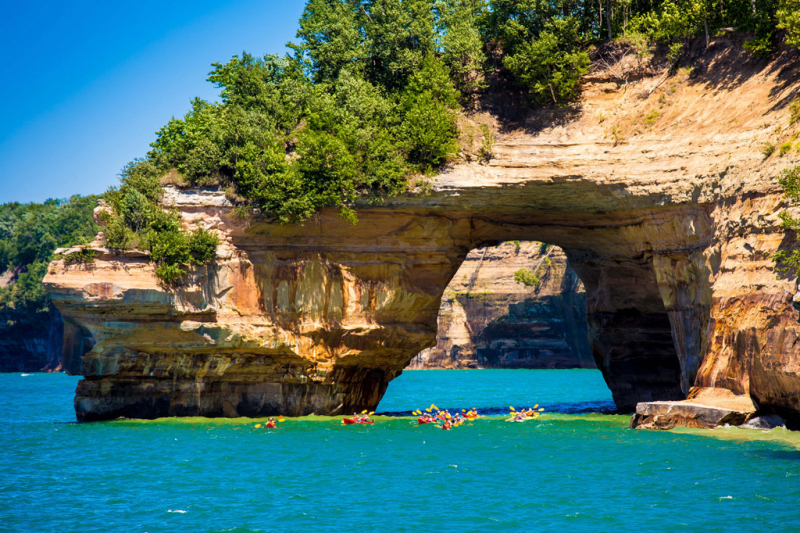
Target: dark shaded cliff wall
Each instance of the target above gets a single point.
(487, 320)
(30, 342)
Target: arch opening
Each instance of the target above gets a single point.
(585, 311)
(514, 305)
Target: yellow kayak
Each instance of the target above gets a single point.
(524, 419)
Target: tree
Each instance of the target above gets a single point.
(428, 124)
(28, 293)
(551, 65)
(788, 15)
(32, 241)
(331, 37)
(512, 23)
(429, 131)
(460, 41)
(400, 34)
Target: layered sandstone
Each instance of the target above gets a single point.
(668, 219)
(707, 409)
(488, 320)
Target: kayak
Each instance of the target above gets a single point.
(526, 419)
(348, 421)
(423, 421)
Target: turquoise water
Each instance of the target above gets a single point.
(562, 472)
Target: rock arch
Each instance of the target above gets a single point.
(319, 318)
(669, 230)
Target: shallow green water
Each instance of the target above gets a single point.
(563, 472)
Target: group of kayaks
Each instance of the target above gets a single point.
(443, 418)
(440, 418)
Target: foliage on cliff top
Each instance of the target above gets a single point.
(29, 233)
(138, 221)
(370, 94)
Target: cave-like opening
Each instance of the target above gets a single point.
(533, 305)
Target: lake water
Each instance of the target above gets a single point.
(571, 470)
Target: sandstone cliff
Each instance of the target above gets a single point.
(487, 320)
(659, 196)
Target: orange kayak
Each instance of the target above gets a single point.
(349, 421)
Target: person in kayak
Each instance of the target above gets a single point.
(271, 423)
(447, 425)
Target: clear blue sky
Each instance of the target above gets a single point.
(87, 84)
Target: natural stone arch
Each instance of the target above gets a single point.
(670, 230)
(319, 318)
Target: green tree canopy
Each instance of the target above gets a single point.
(370, 95)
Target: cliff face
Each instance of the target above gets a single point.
(668, 219)
(487, 320)
(30, 342)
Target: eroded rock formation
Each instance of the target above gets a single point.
(488, 320)
(668, 221)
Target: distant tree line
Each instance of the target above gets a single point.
(29, 233)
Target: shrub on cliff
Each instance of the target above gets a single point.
(138, 220)
(787, 261)
(527, 277)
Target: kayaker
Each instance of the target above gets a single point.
(447, 425)
(271, 424)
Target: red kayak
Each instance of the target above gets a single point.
(348, 421)
(423, 421)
